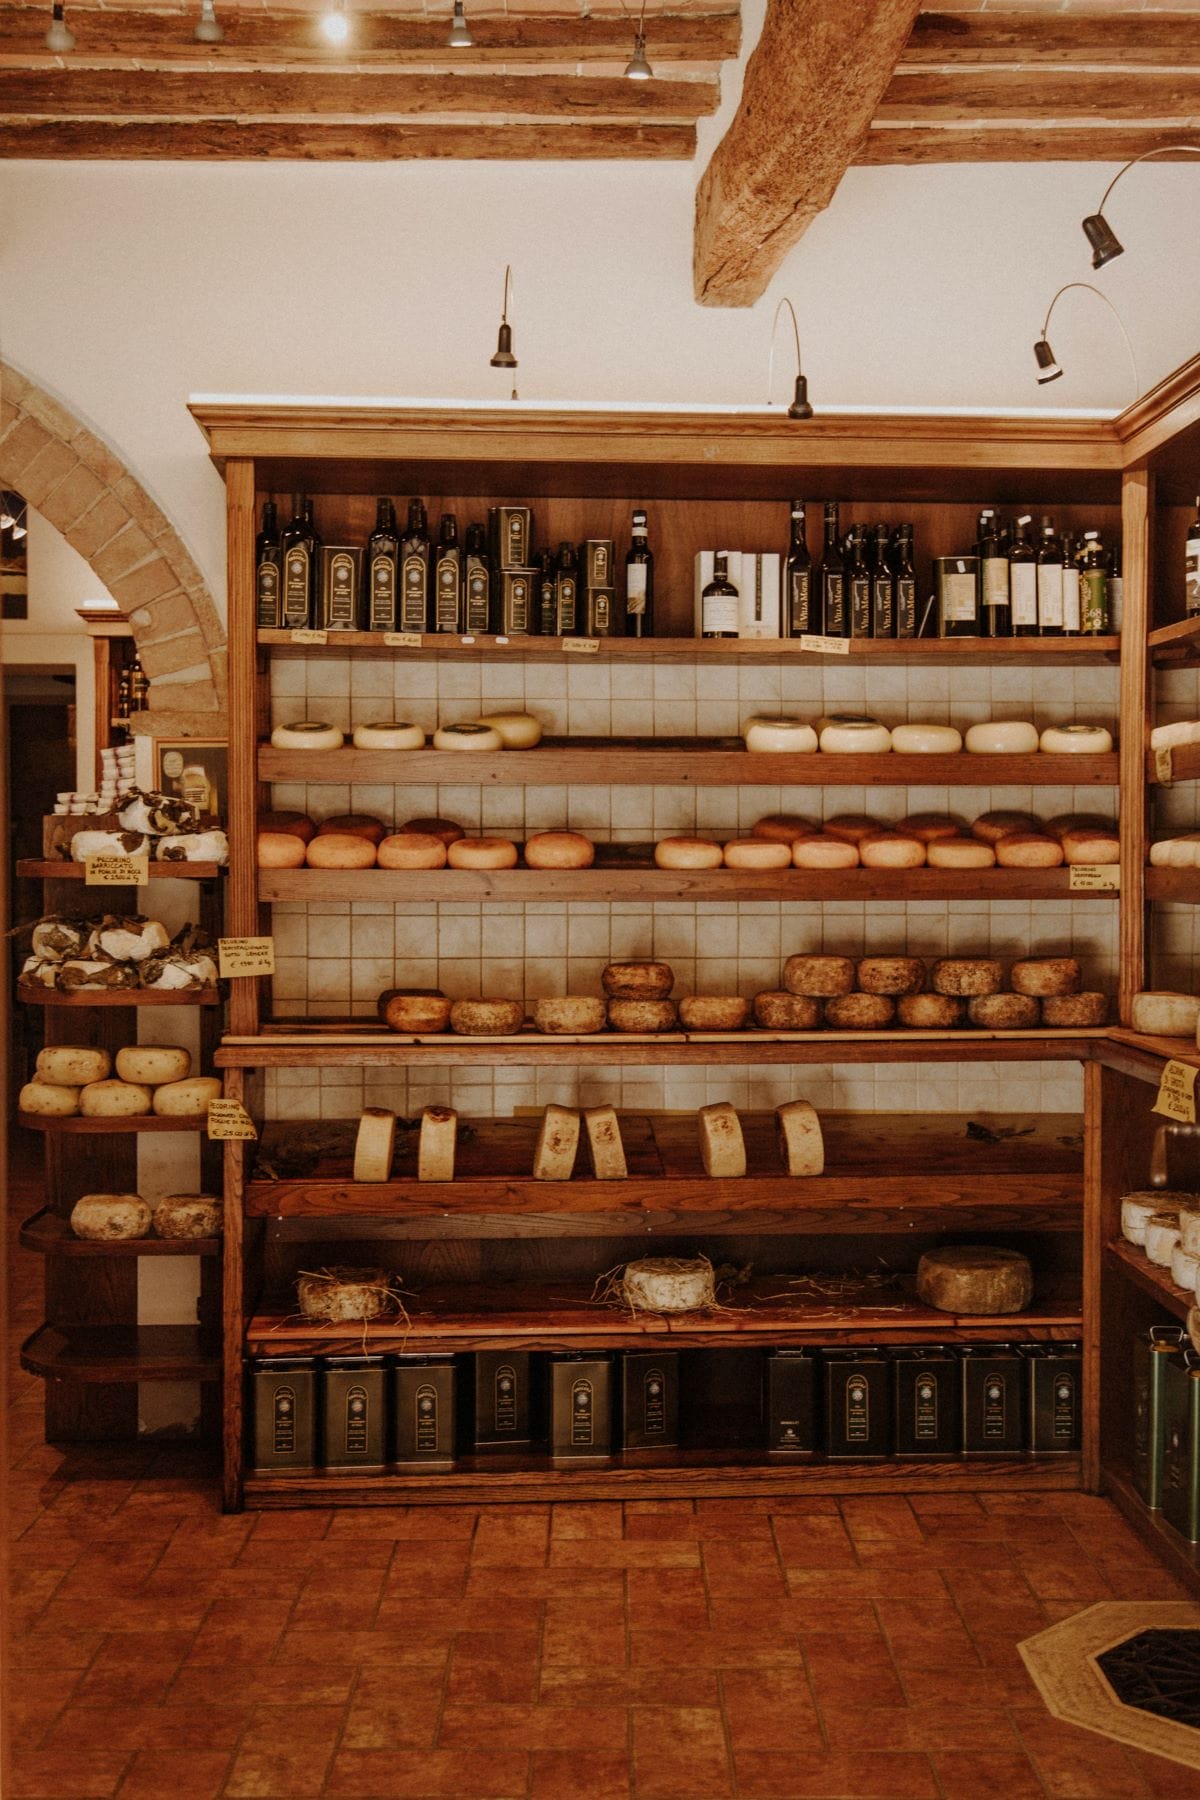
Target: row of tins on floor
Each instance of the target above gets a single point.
(1166, 1434)
(375, 1412)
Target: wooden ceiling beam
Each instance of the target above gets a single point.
(811, 89)
(215, 141)
(1041, 95)
(1031, 143)
(1171, 40)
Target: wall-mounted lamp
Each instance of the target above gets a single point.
(335, 24)
(504, 358)
(1099, 233)
(460, 36)
(800, 408)
(1049, 368)
(59, 37)
(209, 29)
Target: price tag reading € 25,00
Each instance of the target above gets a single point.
(109, 870)
(1177, 1093)
(246, 956)
(228, 1119)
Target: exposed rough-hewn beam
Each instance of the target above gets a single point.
(1170, 40)
(1041, 94)
(1038, 142)
(810, 92)
(220, 141)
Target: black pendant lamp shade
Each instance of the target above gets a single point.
(1048, 369)
(1104, 241)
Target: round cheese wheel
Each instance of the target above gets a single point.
(114, 1100)
(557, 1144)
(280, 850)
(71, 1065)
(411, 850)
(487, 1018)
(931, 828)
(860, 1012)
(48, 1100)
(975, 1279)
(1160, 1014)
(1088, 846)
(757, 853)
(669, 1284)
(1137, 1210)
(419, 1012)
(722, 1146)
(1066, 1011)
(1076, 740)
(559, 850)
(783, 828)
(1041, 975)
(891, 975)
(389, 734)
(152, 1064)
(930, 1012)
(967, 976)
(926, 740)
(437, 1142)
(103, 1218)
(1191, 1324)
(186, 1099)
(992, 826)
(570, 1015)
(851, 828)
(1004, 1012)
(714, 1012)
(362, 825)
(374, 1144)
(780, 1011)
(340, 850)
(343, 1296)
(468, 736)
(1028, 850)
(1002, 737)
(482, 853)
(1162, 1235)
(637, 980)
(1184, 1269)
(687, 853)
(824, 852)
(445, 829)
(1189, 1217)
(798, 1138)
(891, 850)
(188, 1216)
(960, 853)
(846, 736)
(641, 1015)
(517, 730)
(779, 734)
(819, 976)
(1060, 826)
(295, 824)
(606, 1152)
(307, 734)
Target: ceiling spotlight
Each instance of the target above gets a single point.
(800, 407)
(19, 529)
(460, 36)
(209, 29)
(638, 68)
(335, 24)
(1047, 362)
(59, 37)
(1049, 367)
(1099, 233)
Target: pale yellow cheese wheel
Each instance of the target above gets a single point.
(824, 852)
(104, 1218)
(374, 1144)
(1159, 1013)
(637, 980)
(557, 1144)
(48, 1100)
(280, 850)
(783, 828)
(891, 975)
(992, 826)
(72, 1065)
(1002, 737)
(606, 1152)
(757, 853)
(1040, 975)
(189, 1216)
(114, 1100)
(722, 1146)
(687, 853)
(487, 1018)
(482, 853)
(467, 736)
(859, 1012)
(186, 1099)
(307, 734)
(412, 850)
(1069, 1011)
(1028, 850)
(777, 1010)
(798, 1136)
(714, 1012)
(417, 1011)
(891, 850)
(152, 1064)
(559, 850)
(570, 1014)
(967, 976)
(821, 977)
(926, 740)
(340, 850)
(1087, 846)
(1004, 1012)
(779, 734)
(641, 1015)
(1076, 740)
(518, 730)
(960, 853)
(930, 1012)
(388, 734)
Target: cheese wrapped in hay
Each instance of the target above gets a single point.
(669, 1284)
(343, 1294)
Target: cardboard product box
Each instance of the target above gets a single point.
(791, 1403)
(759, 614)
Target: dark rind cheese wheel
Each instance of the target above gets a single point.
(968, 975)
(820, 976)
(637, 980)
(975, 1279)
(1069, 1010)
(416, 1010)
(860, 1012)
(1004, 1012)
(930, 1012)
(779, 1011)
(891, 975)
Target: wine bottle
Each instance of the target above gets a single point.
(447, 577)
(905, 574)
(1072, 620)
(957, 582)
(1191, 588)
(1116, 589)
(639, 581)
(383, 569)
(1022, 581)
(798, 619)
(414, 572)
(858, 585)
(1049, 583)
(300, 547)
(883, 588)
(834, 622)
(566, 591)
(1093, 585)
(719, 602)
(477, 582)
(995, 611)
(546, 595)
(268, 568)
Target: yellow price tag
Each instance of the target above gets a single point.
(582, 646)
(108, 870)
(402, 640)
(1164, 767)
(229, 1119)
(1094, 878)
(825, 646)
(1177, 1093)
(246, 956)
(303, 636)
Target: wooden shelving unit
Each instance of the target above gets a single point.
(1137, 1267)
(45, 869)
(47, 1234)
(31, 994)
(119, 1356)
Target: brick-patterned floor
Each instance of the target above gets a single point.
(782, 1650)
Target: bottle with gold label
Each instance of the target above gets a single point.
(300, 547)
(477, 582)
(547, 595)
(414, 572)
(447, 577)
(566, 591)
(268, 562)
(383, 569)
(1093, 586)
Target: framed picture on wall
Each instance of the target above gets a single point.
(195, 769)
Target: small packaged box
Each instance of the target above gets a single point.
(758, 611)
(791, 1403)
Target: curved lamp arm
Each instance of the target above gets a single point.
(1045, 356)
(800, 408)
(1160, 150)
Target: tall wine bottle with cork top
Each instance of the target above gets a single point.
(268, 570)
(639, 581)
(1049, 582)
(719, 602)
(301, 550)
(798, 611)
(477, 582)
(1022, 580)
(383, 569)
(447, 577)
(414, 572)
(995, 604)
(834, 619)
(1093, 586)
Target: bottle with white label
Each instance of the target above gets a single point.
(639, 581)
(1072, 620)
(995, 611)
(1049, 583)
(1116, 590)
(1191, 591)
(1022, 581)
(719, 602)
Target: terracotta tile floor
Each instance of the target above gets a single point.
(782, 1650)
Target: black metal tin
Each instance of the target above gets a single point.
(858, 1402)
(518, 588)
(721, 1399)
(511, 529)
(283, 1413)
(993, 1400)
(1151, 1352)
(503, 1399)
(354, 1412)
(791, 1403)
(1054, 1382)
(649, 1399)
(600, 617)
(1181, 1444)
(927, 1397)
(422, 1410)
(341, 587)
(580, 1408)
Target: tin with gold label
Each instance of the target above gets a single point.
(422, 1412)
(649, 1399)
(354, 1412)
(511, 532)
(1054, 1379)
(580, 1408)
(926, 1389)
(1181, 1444)
(341, 587)
(503, 1401)
(858, 1402)
(516, 611)
(994, 1400)
(1151, 1352)
(284, 1414)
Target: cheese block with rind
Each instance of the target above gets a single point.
(975, 1279)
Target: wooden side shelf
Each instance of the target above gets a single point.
(1182, 1558)
(1152, 1280)
(49, 1235)
(158, 871)
(117, 1354)
(1137, 1054)
(30, 994)
(678, 762)
(1185, 765)
(1177, 643)
(78, 1126)
(1179, 885)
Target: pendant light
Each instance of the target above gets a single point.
(800, 408)
(1106, 245)
(638, 67)
(59, 37)
(209, 29)
(335, 24)
(504, 357)
(460, 34)
(1049, 367)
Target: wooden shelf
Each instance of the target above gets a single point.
(628, 872)
(687, 1474)
(1185, 765)
(677, 762)
(1175, 644)
(76, 1126)
(1136, 1265)
(1181, 886)
(109, 1354)
(36, 870)
(1180, 1557)
(30, 994)
(958, 652)
(49, 1235)
(333, 1043)
(1030, 1179)
(1137, 1054)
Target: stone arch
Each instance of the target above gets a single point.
(83, 488)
